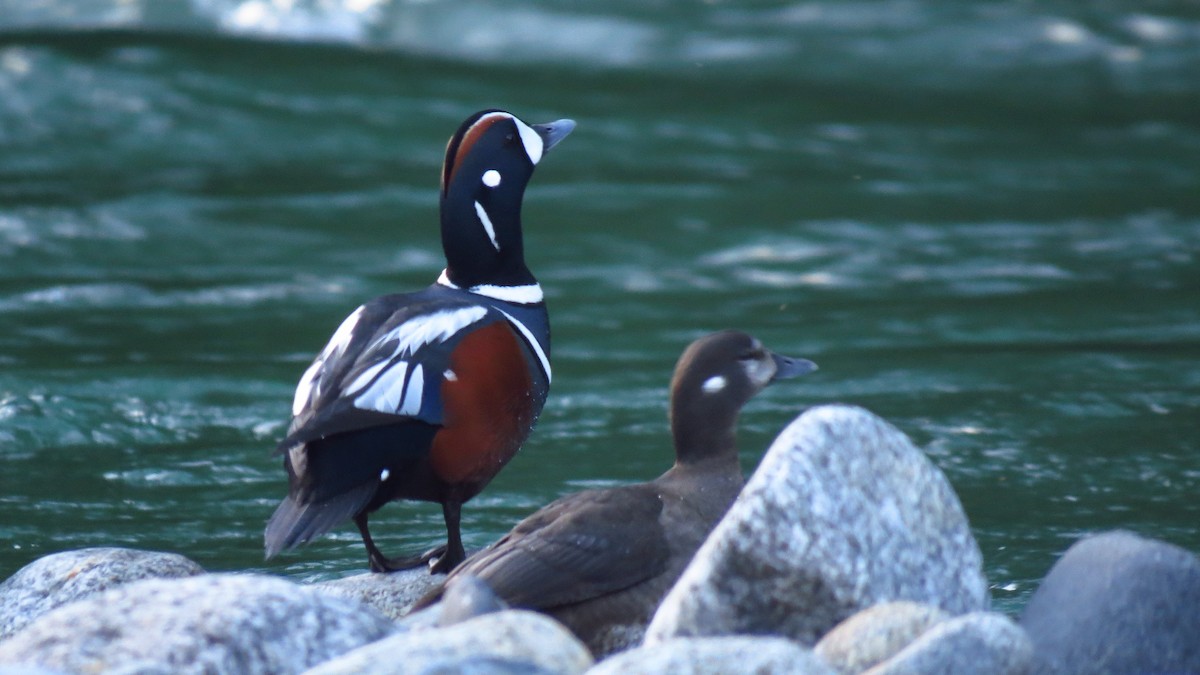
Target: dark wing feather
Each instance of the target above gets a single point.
(583, 546)
(384, 365)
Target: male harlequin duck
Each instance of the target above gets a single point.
(600, 561)
(427, 395)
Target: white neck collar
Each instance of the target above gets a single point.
(529, 294)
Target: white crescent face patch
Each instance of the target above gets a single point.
(534, 146)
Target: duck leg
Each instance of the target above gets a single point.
(453, 550)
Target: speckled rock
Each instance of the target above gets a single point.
(466, 598)
(1118, 603)
(843, 513)
(204, 624)
(876, 634)
(61, 578)
(716, 656)
(511, 639)
(392, 593)
(979, 642)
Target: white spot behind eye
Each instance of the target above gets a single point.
(491, 178)
(714, 384)
(383, 475)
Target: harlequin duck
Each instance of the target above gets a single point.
(427, 395)
(600, 561)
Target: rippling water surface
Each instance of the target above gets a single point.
(982, 219)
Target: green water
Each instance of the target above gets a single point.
(981, 219)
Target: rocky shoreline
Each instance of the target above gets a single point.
(847, 552)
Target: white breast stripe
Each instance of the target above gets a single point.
(529, 294)
(444, 280)
(412, 396)
(531, 140)
(487, 224)
(533, 343)
(387, 392)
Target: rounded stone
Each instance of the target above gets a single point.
(61, 578)
(979, 642)
(509, 639)
(716, 656)
(1118, 603)
(876, 634)
(843, 513)
(203, 624)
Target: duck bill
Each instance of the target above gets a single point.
(787, 367)
(553, 132)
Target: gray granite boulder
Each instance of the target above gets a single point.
(61, 578)
(716, 656)
(843, 513)
(509, 641)
(876, 634)
(979, 642)
(468, 597)
(204, 624)
(392, 593)
(1118, 603)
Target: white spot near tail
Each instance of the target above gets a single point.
(491, 178)
(714, 384)
(487, 224)
(450, 375)
(384, 475)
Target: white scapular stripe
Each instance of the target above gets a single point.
(531, 140)
(309, 386)
(412, 397)
(389, 386)
(429, 328)
(304, 389)
(533, 344)
(387, 392)
(487, 224)
(364, 378)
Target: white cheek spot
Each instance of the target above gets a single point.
(714, 384)
(450, 375)
(384, 475)
(491, 178)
